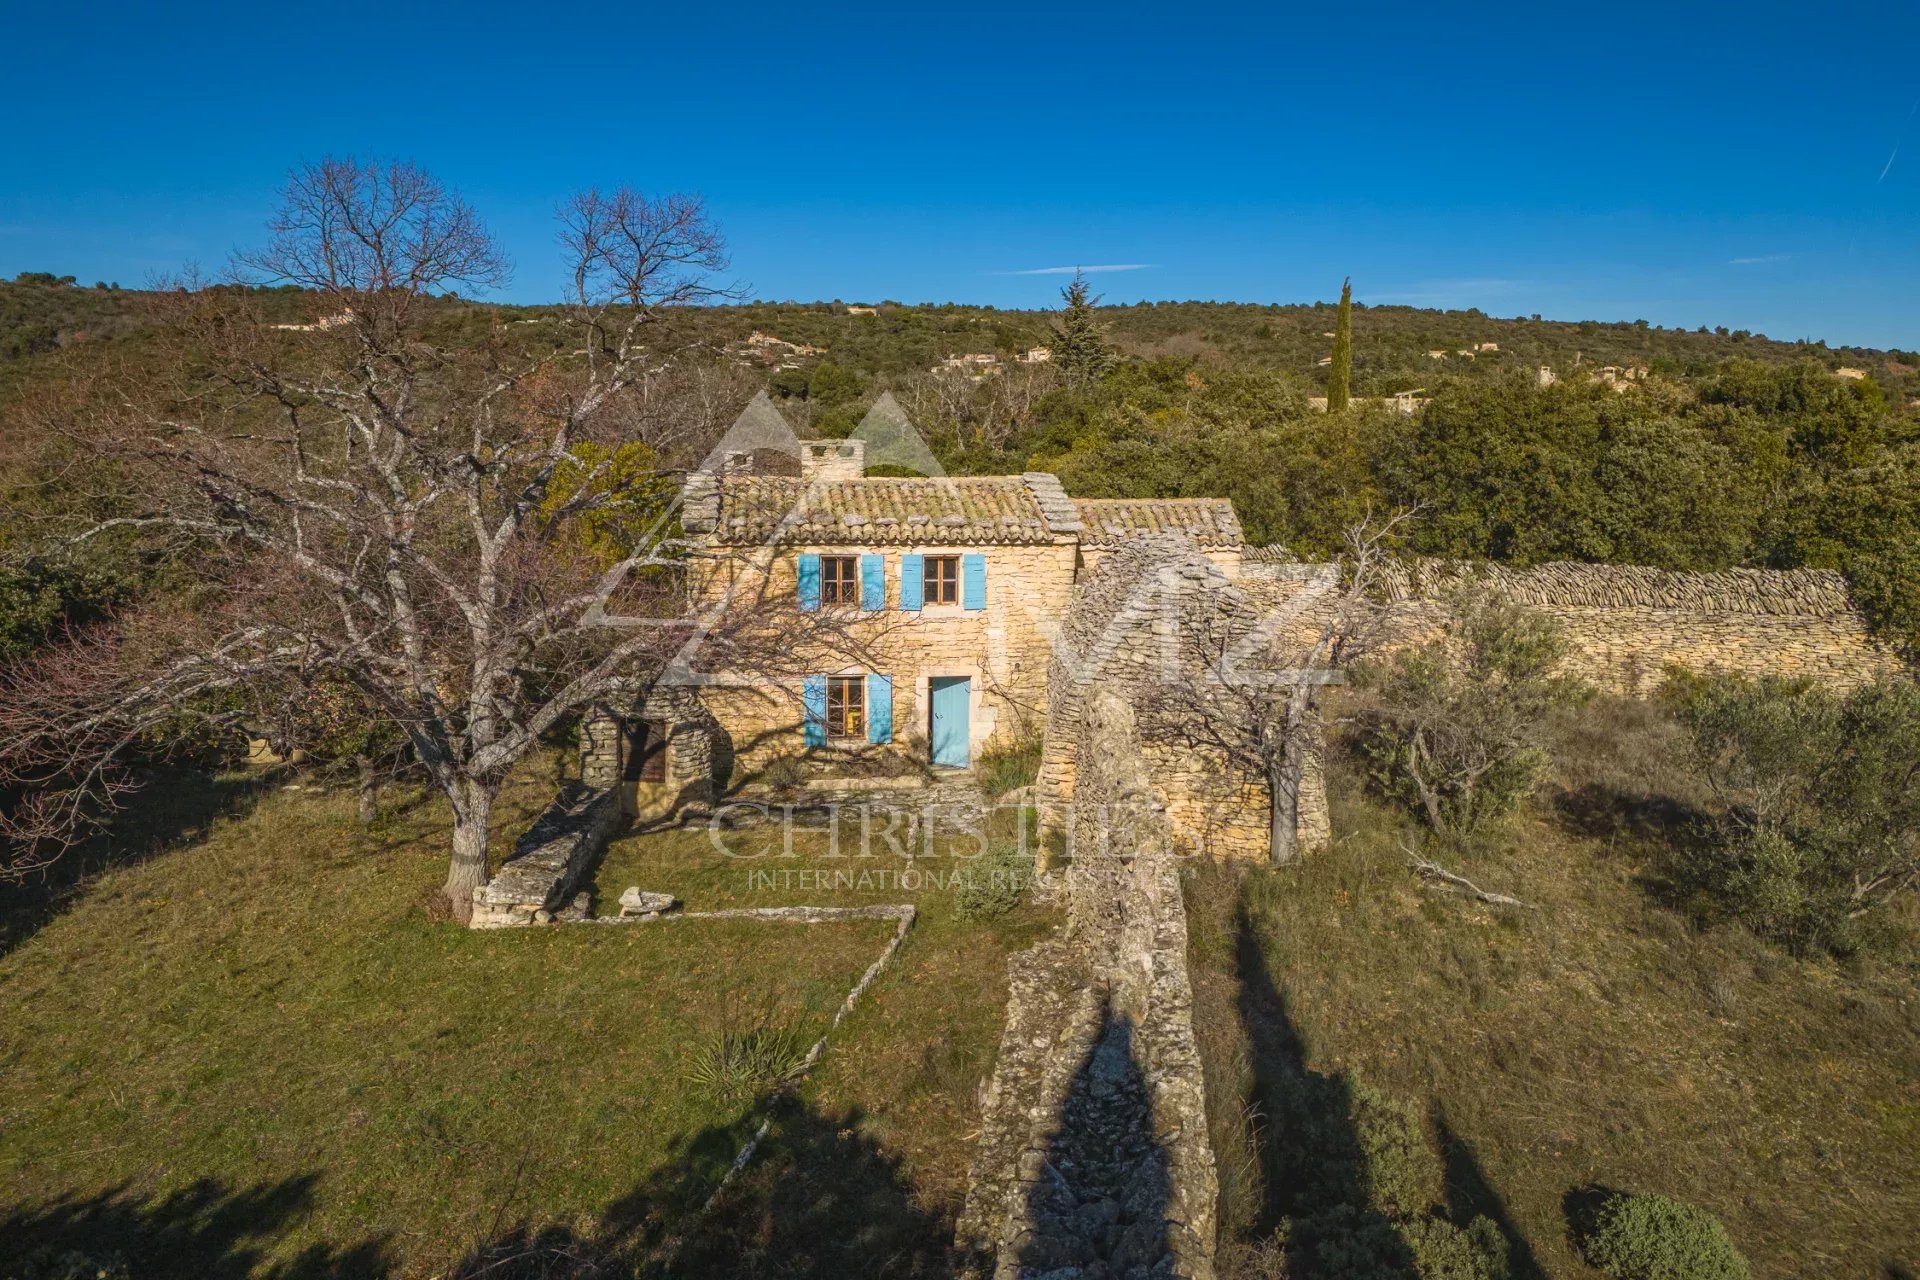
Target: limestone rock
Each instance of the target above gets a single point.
(639, 904)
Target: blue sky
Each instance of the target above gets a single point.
(1682, 163)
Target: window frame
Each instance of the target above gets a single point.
(839, 581)
(939, 580)
(847, 706)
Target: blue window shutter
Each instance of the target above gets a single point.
(973, 581)
(810, 582)
(873, 582)
(879, 708)
(913, 582)
(813, 694)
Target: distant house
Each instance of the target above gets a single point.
(863, 311)
(1036, 355)
(1436, 355)
(1544, 376)
(1486, 346)
(977, 364)
(1848, 374)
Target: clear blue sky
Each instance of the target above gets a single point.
(1681, 163)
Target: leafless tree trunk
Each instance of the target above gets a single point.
(368, 777)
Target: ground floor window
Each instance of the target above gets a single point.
(846, 706)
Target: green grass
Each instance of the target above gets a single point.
(256, 1049)
(1594, 1041)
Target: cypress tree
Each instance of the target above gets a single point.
(1340, 375)
(1079, 347)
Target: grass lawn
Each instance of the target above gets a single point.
(1596, 1041)
(255, 1053)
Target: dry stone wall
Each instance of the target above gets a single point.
(539, 882)
(1624, 625)
(1094, 1153)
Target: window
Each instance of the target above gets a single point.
(846, 706)
(840, 579)
(646, 752)
(941, 576)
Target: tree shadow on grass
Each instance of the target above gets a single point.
(176, 804)
(1319, 1165)
(206, 1231)
(820, 1200)
(1469, 1192)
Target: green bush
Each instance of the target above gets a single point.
(993, 884)
(1456, 727)
(1443, 1251)
(1821, 828)
(49, 1264)
(1652, 1237)
(738, 1067)
(1007, 768)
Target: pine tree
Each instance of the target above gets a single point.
(1079, 344)
(1340, 376)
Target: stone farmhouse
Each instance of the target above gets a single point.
(955, 594)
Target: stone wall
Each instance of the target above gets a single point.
(1624, 625)
(690, 765)
(1094, 1151)
(538, 883)
(1131, 627)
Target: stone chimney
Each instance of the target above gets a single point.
(833, 459)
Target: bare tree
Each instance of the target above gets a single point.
(1249, 691)
(421, 517)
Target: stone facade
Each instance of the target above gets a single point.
(1002, 649)
(608, 738)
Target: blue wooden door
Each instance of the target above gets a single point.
(948, 732)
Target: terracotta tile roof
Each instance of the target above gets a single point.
(877, 510)
(1210, 522)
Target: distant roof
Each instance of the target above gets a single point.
(1210, 522)
(879, 510)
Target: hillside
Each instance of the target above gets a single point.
(1391, 343)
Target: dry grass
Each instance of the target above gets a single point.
(256, 1051)
(1595, 1040)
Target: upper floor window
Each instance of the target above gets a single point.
(840, 579)
(846, 706)
(941, 578)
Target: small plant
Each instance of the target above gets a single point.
(1653, 1237)
(1010, 766)
(47, 1264)
(741, 1066)
(993, 884)
(785, 773)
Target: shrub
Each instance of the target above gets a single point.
(1821, 828)
(741, 1066)
(993, 884)
(1443, 1251)
(1456, 726)
(1652, 1237)
(1009, 767)
(785, 773)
